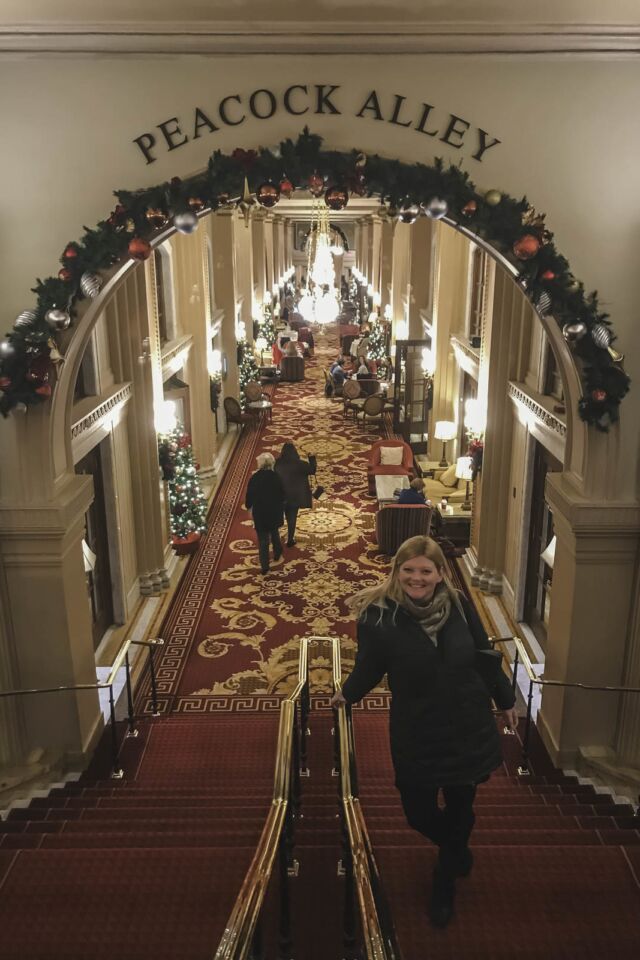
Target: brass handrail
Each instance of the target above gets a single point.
(122, 658)
(522, 657)
(98, 684)
(379, 944)
(239, 930)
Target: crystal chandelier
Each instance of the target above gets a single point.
(320, 302)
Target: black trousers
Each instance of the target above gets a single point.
(291, 514)
(450, 826)
(263, 546)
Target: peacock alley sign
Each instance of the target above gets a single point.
(305, 100)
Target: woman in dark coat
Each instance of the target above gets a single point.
(265, 499)
(294, 473)
(424, 635)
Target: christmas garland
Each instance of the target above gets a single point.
(29, 352)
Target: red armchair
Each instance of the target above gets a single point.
(375, 468)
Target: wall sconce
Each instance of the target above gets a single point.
(428, 366)
(402, 330)
(377, 299)
(548, 555)
(445, 430)
(241, 330)
(261, 345)
(166, 417)
(475, 416)
(387, 314)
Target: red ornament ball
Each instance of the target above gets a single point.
(268, 194)
(195, 203)
(70, 252)
(5, 383)
(139, 249)
(44, 390)
(336, 198)
(316, 184)
(469, 208)
(65, 275)
(526, 247)
(156, 217)
(599, 395)
(548, 275)
(286, 188)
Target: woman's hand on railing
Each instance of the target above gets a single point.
(337, 699)
(511, 718)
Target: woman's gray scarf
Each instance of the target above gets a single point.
(431, 616)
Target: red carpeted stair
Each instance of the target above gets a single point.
(146, 867)
(556, 864)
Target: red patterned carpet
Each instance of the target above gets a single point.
(230, 630)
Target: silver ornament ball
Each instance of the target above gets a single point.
(435, 209)
(185, 222)
(20, 407)
(601, 335)
(57, 319)
(493, 197)
(572, 332)
(90, 285)
(7, 350)
(408, 212)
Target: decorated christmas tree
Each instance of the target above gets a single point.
(354, 298)
(266, 328)
(247, 366)
(377, 350)
(187, 503)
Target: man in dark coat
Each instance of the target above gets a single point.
(265, 499)
(294, 473)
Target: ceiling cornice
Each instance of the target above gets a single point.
(208, 37)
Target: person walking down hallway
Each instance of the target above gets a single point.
(294, 473)
(416, 628)
(265, 499)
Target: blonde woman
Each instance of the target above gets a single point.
(419, 631)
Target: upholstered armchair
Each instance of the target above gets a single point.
(396, 522)
(233, 413)
(376, 467)
(292, 368)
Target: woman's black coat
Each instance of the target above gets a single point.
(441, 727)
(295, 474)
(265, 499)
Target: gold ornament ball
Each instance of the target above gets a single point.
(492, 197)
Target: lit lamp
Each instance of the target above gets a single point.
(464, 471)
(445, 430)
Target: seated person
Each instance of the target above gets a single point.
(291, 349)
(338, 373)
(415, 492)
(363, 344)
(339, 361)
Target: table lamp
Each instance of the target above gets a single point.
(445, 430)
(464, 471)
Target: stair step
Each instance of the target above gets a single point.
(143, 902)
(497, 837)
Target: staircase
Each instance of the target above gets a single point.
(557, 865)
(148, 866)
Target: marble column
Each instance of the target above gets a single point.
(420, 274)
(224, 226)
(259, 257)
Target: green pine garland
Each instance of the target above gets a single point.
(500, 220)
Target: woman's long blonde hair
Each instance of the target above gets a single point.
(390, 589)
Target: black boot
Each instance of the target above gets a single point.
(443, 895)
(465, 863)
